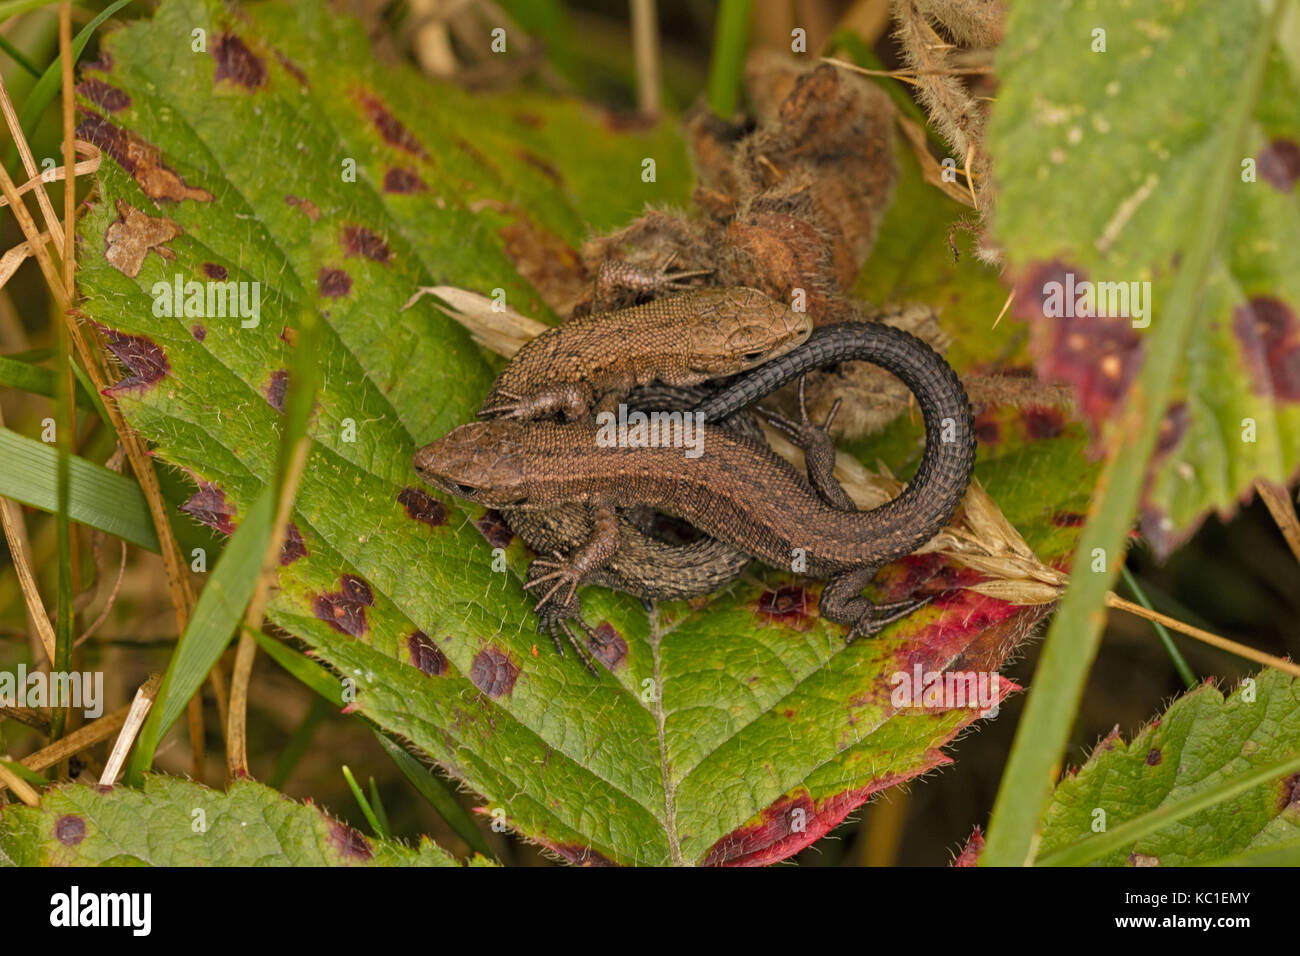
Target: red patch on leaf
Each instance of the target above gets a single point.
(345, 609)
(103, 95)
(334, 283)
(789, 606)
(69, 829)
(493, 672)
(1042, 423)
(211, 506)
(987, 429)
(492, 525)
(608, 645)
(1098, 356)
(294, 547)
(1154, 756)
(237, 63)
(398, 180)
(199, 332)
(1270, 341)
(143, 358)
(1290, 792)
(360, 241)
(214, 270)
(390, 127)
(970, 853)
(349, 843)
(426, 655)
(422, 507)
(1279, 164)
(276, 389)
(1068, 519)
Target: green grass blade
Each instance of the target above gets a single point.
(1075, 633)
(216, 616)
(1185, 671)
(438, 794)
(377, 802)
(35, 379)
(729, 42)
(19, 57)
(375, 826)
(97, 497)
(300, 666)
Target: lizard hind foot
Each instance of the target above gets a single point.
(881, 616)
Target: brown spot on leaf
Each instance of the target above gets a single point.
(292, 69)
(334, 283)
(1290, 792)
(422, 507)
(1270, 341)
(1041, 423)
(608, 645)
(199, 332)
(987, 429)
(104, 95)
(69, 829)
(211, 506)
(390, 127)
(541, 165)
(345, 609)
(493, 672)
(215, 271)
(401, 181)
(1098, 356)
(349, 843)
(237, 63)
(133, 235)
(545, 260)
(305, 206)
(141, 160)
(1279, 164)
(398, 180)
(276, 389)
(1154, 756)
(790, 606)
(1142, 859)
(143, 358)
(294, 547)
(492, 525)
(426, 655)
(1068, 519)
(1172, 428)
(360, 241)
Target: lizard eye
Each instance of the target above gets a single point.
(465, 491)
(752, 356)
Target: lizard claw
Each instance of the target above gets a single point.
(556, 621)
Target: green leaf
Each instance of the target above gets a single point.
(737, 729)
(1213, 779)
(173, 822)
(1075, 633)
(35, 379)
(97, 497)
(1103, 161)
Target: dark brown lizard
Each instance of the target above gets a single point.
(737, 490)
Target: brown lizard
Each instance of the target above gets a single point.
(738, 491)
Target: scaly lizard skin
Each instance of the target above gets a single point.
(738, 491)
(679, 340)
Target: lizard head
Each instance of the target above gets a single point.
(739, 329)
(482, 461)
